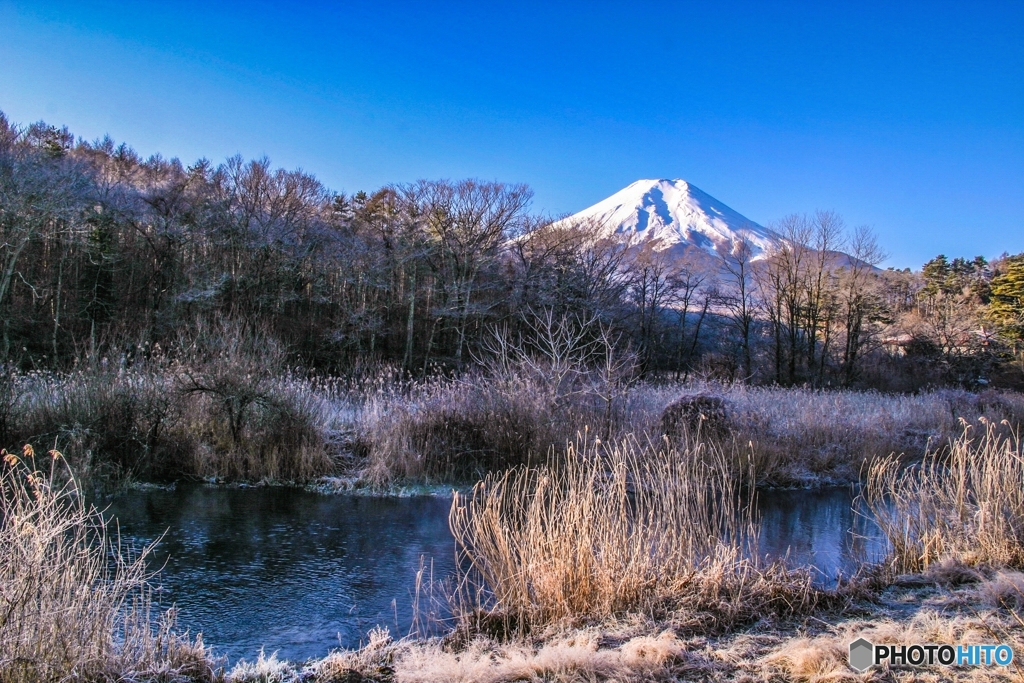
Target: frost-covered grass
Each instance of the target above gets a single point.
(807, 437)
(965, 504)
(228, 419)
(74, 606)
(610, 563)
(151, 423)
(635, 647)
(460, 429)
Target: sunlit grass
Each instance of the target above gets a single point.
(964, 503)
(617, 528)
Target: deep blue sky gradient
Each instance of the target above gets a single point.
(908, 117)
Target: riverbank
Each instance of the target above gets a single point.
(977, 607)
(228, 422)
(566, 598)
(610, 566)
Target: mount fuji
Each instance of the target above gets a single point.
(675, 215)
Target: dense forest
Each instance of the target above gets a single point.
(106, 257)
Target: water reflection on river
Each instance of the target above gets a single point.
(300, 573)
(826, 529)
(287, 569)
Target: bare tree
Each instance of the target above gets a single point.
(41, 192)
(738, 298)
(860, 303)
(467, 222)
(650, 282)
(783, 292)
(827, 238)
(689, 286)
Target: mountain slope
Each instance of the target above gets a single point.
(678, 216)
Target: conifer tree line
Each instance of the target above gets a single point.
(106, 255)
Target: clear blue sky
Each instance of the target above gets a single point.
(908, 117)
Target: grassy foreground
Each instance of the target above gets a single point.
(635, 648)
(608, 564)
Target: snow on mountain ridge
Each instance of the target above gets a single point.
(679, 216)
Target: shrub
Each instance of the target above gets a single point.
(151, 422)
(458, 430)
(697, 415)
(118, 423)
(254, 421)
(529, 395)
(800, 436)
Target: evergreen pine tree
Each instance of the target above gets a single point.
(936, 276)
(1006, 306)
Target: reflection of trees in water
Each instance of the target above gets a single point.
(244, 525)
(286, 565)
(820, 528)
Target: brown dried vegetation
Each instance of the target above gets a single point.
(68, 612)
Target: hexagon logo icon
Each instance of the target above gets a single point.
(861, 651)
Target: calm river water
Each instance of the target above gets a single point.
(300, 573)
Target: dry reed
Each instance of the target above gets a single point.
(73, 606)
(801, 437)
(616, 528)
(145, 423)
(230, 418)
(460, 429)
(965, 503)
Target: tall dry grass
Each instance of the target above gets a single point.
(460, 429)
(805, 436)
(526, 396)
(273, 429)
(116, 423)
(224, 415)
(448, 429)
(964, 503)
(73, 606)
(616, 528)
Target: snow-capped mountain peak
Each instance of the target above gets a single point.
(677, 216)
